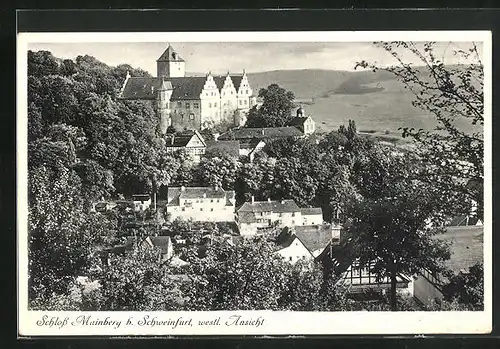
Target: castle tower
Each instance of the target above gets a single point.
(170, 64)
(163, 94)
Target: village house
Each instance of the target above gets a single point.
(190, 142)
(162, 243)
(141, 202)
(306, 242)
(245, 134)
(250, 148)
(304, 123)
(200, 204)
(191, 102)
(260, 216)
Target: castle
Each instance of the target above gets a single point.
(191, 102)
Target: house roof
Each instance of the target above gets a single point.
(285, 238)
(170, 55)
(269, 206)
(219, 81)
(246, 217)
(181, 139)
(311, 211)
(466, 246)
(231, 148)
(314, 237)
(298, 121)
(162, 242)
(140, 88)
(250, 144)
(262, 133)
(174, 193)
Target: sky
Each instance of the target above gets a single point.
(236, 56)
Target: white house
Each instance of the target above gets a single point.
(141, 202)
(201, 204)
(163, 243)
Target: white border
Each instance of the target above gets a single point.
(276, 323)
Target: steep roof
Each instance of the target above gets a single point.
(174, 193)
(311, 210)
(170, 55)
(181, 139)
(231, 148)
(219, 81)
(189, 87)
(466, 246)
(140, 88)
(270, 206)
(262, 133)
(237, 81)
(298, 121)
(314, 237)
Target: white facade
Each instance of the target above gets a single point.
(141, 202)
(295, 252)
(203, 205)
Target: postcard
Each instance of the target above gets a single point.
(254, 183)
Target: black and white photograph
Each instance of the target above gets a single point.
(254, 180)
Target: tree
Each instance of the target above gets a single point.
(389, 225)
(454, 95)
(276, 109)
(467, 288)
(218, 171)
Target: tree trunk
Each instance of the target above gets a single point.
(394, 305)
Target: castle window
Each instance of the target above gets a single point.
(210, 105)
(179, 104)
(246, 91)
(245, 101)
(240, 101)
(215, 104)
(196, 105)
(211, 209)
(188, 105)
(201, 209)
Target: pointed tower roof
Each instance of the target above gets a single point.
(170, 55)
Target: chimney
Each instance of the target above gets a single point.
(268, 199)
(204, 195)
(262, 131)
(183, 188)
(282, 201)
(172, 140)
(216, 187)
(253, 199)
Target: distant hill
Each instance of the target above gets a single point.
(377, 101)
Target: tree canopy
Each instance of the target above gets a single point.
(276, 108)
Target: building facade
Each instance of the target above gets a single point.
(201, 204)
(191, 102)
(259, 216)
(190, 142)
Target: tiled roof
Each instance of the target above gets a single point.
(262, 133)
(270, 206)
(231, 148)
(466, 246)
(187, 87)
(181, 139)
(169, 55)
(314, 237)
(140, 88)
(285, 238)
(251, 144)
(311, 210)
(174, 193)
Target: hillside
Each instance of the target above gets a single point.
(377, 101)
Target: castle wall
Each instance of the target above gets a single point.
(186, 114)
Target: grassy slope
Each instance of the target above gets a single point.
(385, 108)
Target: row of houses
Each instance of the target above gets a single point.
(244, 142)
